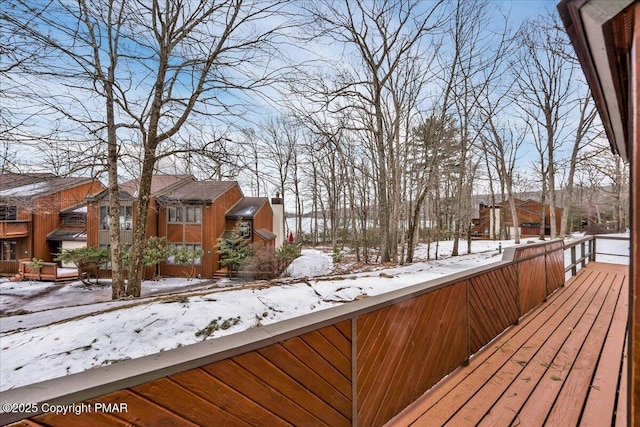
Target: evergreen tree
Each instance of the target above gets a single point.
(235, 249)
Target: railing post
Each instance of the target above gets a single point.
(573, 261)
(582, 255)
(592, 244)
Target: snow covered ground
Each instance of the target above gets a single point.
(55, 339)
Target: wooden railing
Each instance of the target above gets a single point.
(356, 364)
(47, 272)
(588, 251)
(14, 229)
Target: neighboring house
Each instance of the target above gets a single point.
(39, 215)
(188, 213)
(256, 220)
(529, 219)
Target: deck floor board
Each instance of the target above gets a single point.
(563, 364)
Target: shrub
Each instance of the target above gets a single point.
(86, 259)
(287, 253)
(263, 264)
(186, 256)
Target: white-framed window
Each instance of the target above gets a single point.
(193, 214)
(174, 214)
(184, 214)
(126, 217)
(104, 217)
(245, 229)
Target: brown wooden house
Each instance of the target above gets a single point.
(529, 219)
(188, 213)
(256, 220)
(37, 213)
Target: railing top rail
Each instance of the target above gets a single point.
(611, 237)
(575, 242)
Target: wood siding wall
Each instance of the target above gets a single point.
(214, 224)
(360, 367)
(264, 218)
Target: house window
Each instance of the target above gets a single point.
(186, 214)
(8, 251)
(8, 213)
(104, 217)
(126, 217)
(175, 214)
(193, 214)
(245, 229)
(172, 259)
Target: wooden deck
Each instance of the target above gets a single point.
(564, 364)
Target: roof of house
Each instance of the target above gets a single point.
(11, 180)
(602, 33)
(160, 184)
(247, 207)
(68, 235)
(197, 191)
(265, 234)
(32, 186)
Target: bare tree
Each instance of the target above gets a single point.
(585, 134)
(545, 86)
(155, 67)
(379, 35)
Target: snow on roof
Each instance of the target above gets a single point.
(32, 186)
(26, 190)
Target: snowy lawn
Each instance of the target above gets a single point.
(55, 342)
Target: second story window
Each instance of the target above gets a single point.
(104, 217)
(8, 213)
(175, 214)
(126, 217)
(193, 214)
(188, 214)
